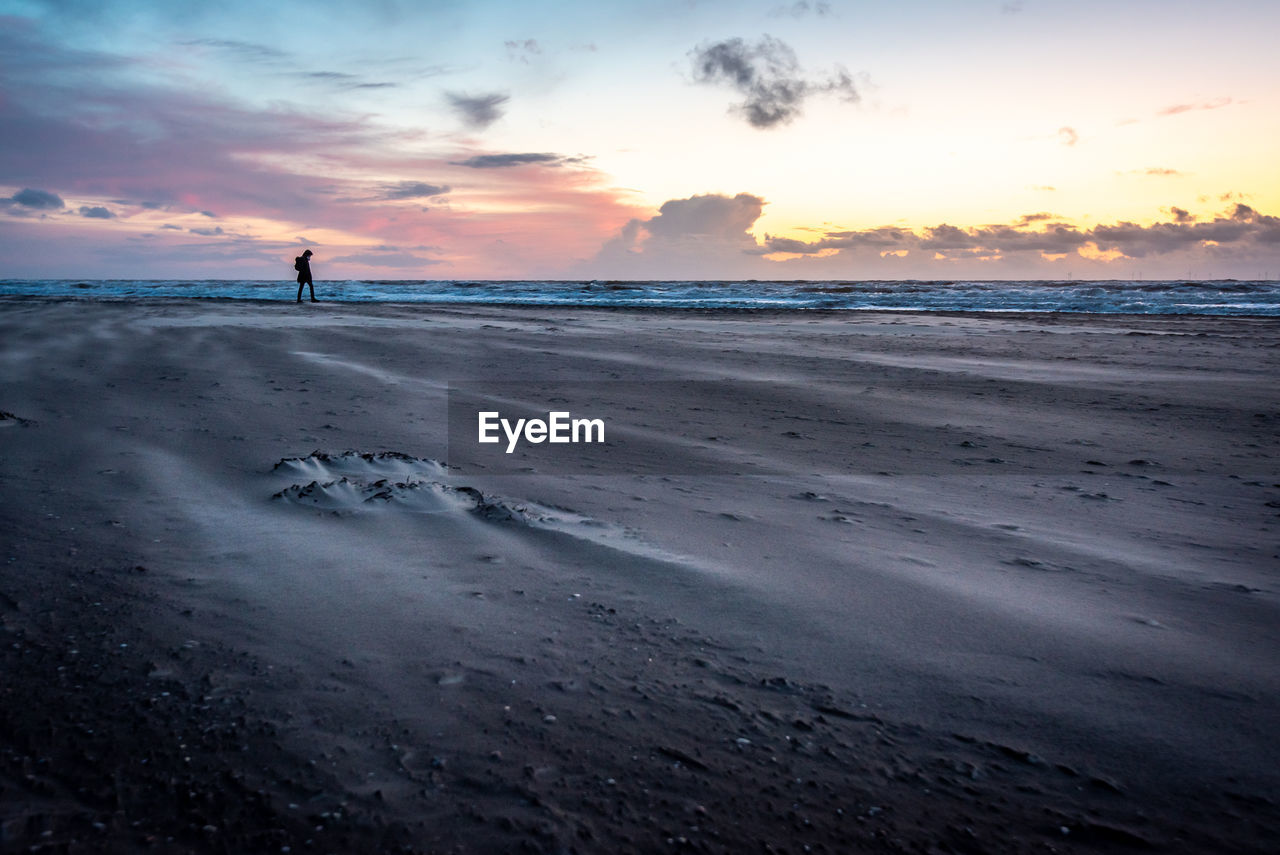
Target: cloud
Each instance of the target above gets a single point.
(1027, 219)
(1012, 7)
(343, 80)
(399, 260)
(100, 127)
(705, 236)
(213, 232)
(1244, 213)
(709, 215)
(413, 190)
(1241, 226)
(40, 200)
(1215, 104)
(251, 52)
(1068, 135)
(478, 111)
(521, 50)
(96, 213)
(767, 74)
(502, 161)
(1160, 170)
(800, 9)
(243, 51)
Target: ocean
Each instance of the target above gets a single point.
(1143, 297)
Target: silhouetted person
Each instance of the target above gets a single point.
(302, 264)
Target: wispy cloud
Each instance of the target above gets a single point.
(504, 161)
(801, 9)
(1068, 136)
(413, 190)
(396, 260)
(343, 80)
(522, 50)
(1215, 104)
(240, 50)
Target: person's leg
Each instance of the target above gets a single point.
(312, 286)
(299, 290)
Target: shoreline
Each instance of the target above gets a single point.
(816, 654)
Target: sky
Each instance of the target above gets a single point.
(663, 140)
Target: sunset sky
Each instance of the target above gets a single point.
(803, 140)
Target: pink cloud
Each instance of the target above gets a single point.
(146, 147)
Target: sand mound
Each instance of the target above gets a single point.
(346, 494)
(321, 466)
(356, 480)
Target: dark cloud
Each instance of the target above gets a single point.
(210, 214)
(1215, 104)
(1012, 7)
(1244, 213)
(1027, 219)
(1239, 226)
(413, 190)
(800, 9)
(171, 226)
(768, 75)
(40, 200)
(478, 111)
(217, 230)
(96, 212)
(888, 238)
(1068, 135)
(502, 161)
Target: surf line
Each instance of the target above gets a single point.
(558, 427)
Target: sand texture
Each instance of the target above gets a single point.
(845, 582)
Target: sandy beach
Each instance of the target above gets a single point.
(834, 582)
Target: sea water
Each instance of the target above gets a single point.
(1206, 297)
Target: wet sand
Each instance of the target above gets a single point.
(841, 582)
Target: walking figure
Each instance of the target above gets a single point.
(302, 264)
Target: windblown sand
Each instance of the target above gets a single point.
(867, 583)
